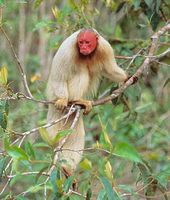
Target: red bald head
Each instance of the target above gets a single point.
(87, 41)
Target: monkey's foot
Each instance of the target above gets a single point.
(61, 104)
(67, 173)
(87, 105)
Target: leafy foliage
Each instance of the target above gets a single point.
(4, 109)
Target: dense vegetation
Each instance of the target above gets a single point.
(127, 152)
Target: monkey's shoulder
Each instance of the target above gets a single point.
(105, 47)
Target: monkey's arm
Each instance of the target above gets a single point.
(60, 95)
(57, 91)
(114, 73)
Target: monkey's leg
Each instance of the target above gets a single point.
(87, 105)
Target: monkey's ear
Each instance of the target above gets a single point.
(135, 79)
(97, 36)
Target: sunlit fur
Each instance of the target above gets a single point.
(75, 76)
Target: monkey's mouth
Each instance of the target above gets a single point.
(84, 52)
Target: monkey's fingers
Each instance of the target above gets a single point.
(61, 104)
(135, 79)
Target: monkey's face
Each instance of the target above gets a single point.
(87, 42)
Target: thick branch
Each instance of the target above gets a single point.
(116, 93)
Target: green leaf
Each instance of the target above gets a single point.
(68, 183)
(102, 166)
(37, 3)
(18, 2)
(53, 179)
(126, 151)
(119, 169)
(151, 188)
(102, 195)
(2, 3)
(154, 20)
(44, 135)
(74, 197)
(127, 188)
(162, 178)
(137, 4)
(29, 149)
(40, 172)
(89, 194)
(2, 166)
(115, 101)
(4, 109)
(4, 75)
(16, 177)
(84, 186)
(109, 190)
(166, 82)
(61, 134)
(86, 164)
(149, 2)
(118, 32)
(15, 165)
(53, 43)
(15, 152)
(142, 25)
(144, 108)
(108, 170)
(165, 60)
(105, 133)
(43, 24)
(144, 173)
(67, 11)
(20, 197)
(41, 144)
(20, 151)
(36, 188)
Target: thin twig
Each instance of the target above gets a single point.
(19, 64)
(46, 125)
(7, 183)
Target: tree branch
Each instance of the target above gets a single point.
(154, 41)
(19, 64)
(116, 93)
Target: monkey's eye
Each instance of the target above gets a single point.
(80, 42)
(87, 42)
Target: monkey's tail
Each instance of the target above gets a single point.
(75, 141)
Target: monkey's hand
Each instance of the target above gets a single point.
(87, 105)
(61, 104)
(135, 79)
